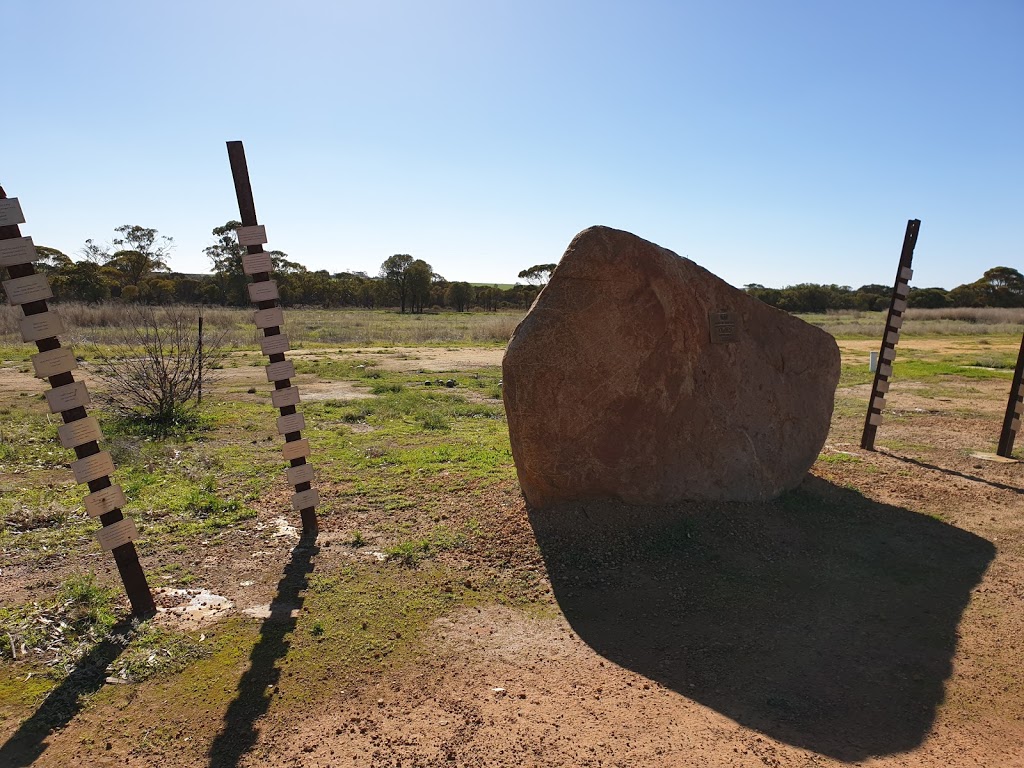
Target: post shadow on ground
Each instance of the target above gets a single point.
(61, 704)
(955, 473)
(238, 734)
(823, 619)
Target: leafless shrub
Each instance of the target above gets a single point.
(153, 373)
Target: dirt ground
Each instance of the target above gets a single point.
(879, 622)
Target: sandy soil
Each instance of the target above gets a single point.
(888, 633)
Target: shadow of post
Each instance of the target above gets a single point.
(823, 619)
(61, 704)
(238, 735)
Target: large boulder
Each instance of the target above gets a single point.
(641, 377)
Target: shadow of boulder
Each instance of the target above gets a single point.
(822, 619)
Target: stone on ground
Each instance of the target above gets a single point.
(615, 389)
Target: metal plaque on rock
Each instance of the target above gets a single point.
(724, 326)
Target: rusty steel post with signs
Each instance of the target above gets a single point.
(1014, 408)
(270, 317)
(30, 290)
(893, 324)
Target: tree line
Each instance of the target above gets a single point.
(134, 268)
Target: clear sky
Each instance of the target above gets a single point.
(771, 142)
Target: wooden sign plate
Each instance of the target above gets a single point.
(254, 263)
(42, 326)
(10, 212)
(53, 362)
(282, 398)
(304, 499)
(17, 250)
(79, 432)
(284, 369)
(255, 235)
(264, 290)
(93, 467)
(22, 290)
(296, 449)
(274, 345)
(300, 474)
(268, 318)
(117, 534)
(104, 500)
(293, 422)
(69, 396)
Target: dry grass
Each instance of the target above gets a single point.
(100, 324)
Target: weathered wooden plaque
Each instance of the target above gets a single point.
(304, 499)
(296, 449)
(17, 250)
(254, 263)
(265, 290)
(293, 422)
(284, 369)
(282, 398)
(93, 467)
(104, 500)
(42, 326)
(119, 533)
(22, 290)
(269, 318)
(69, 396)
(79, 432)
(54, 362)
(10, 212)
(724, 326)
(303, 473)
(274, 345)
(254, 235)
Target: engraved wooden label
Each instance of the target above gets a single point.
(93, 467)
(300, 474)
(875, 419)
(54, 361)
(885, 370)
(274, 345)
(284, 369)
(264, 290)
(889, 354)
(104, 500)
(268, 318)
(69, 396)
(17, 250)
(41, 326)
(10, 212)
(256, 235)
(296, 449)
(293, 422)
(117, 534)
(79, 432)
(878, 402)
(1015, 424)
(724, 326)
(22, 290)
(883, 386)
(253, 263)
(892, 337)
(1018, 407)
(896, 322)
(900, 305)
(305, 499)
(902, 289)
(906, 273)
(282, 398)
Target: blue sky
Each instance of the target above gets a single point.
(772, 143)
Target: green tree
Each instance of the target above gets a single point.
(538, 274)
(419, 276)
(394, 273)
(459, 295)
